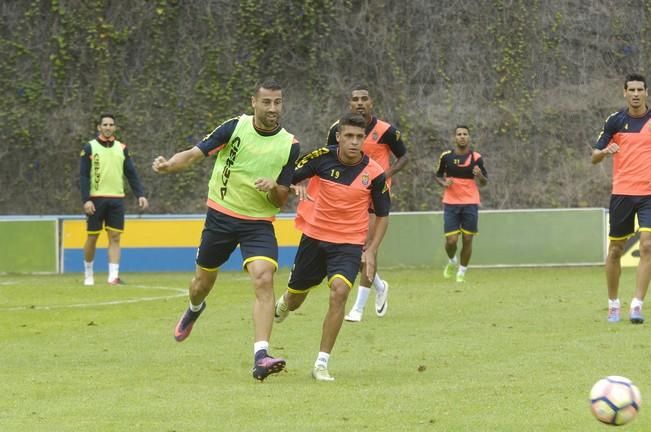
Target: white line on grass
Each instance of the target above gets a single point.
(179, 293)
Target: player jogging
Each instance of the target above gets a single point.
(343, 184)
(383, 143)
(459, 172)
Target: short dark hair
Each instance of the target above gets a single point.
(359, 86)
(267, 83)
(461, 126)
(634, 77)
(352, 119)
(103, 116)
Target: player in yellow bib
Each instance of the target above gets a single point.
(250, 182)
(105, 162)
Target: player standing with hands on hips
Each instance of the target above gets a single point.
(459, 172)
(627, 139)
(255, 160)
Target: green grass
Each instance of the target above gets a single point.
(510, 350)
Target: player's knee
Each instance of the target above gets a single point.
(645, 248)
(615, 252)
(263, 280)
(339, 292)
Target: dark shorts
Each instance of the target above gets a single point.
(623, 209)
(222, 233)
(317, 259)
(109, 213)
(460, 218)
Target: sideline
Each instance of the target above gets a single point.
(179, 293)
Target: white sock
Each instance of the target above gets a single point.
(362, 297)
(114, 270)
(194, 308)
(88, 268)
(322, 359)
(453, 260)
(613, 303)
(260, 345)
(462, 270)
(636, 303)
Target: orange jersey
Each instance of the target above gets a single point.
(341, 196)
(382, 140)
(458, 167)
(632, 163)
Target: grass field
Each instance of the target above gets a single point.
(510, 350)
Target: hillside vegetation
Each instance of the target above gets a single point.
(534, 79)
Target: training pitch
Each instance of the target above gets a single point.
(509, 350)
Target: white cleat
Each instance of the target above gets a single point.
(89, 281)
(381, 300)
(354, 316)
(320, 373)
(281, 311)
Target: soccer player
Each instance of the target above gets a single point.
(344, 183)
(625, 137)
(255, 160)
(104, 163)
(459, 172)
(383, 142)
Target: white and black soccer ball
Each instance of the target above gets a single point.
(615, 400)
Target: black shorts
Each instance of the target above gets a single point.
(460, 218)
(109, 213)
(623, 209)
(222, 233)
(316, 259)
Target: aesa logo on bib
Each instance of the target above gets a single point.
(226, 173)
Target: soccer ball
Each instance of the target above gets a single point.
(615, 400)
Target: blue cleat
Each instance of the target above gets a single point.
(613, 314)
(636, 315)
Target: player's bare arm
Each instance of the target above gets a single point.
(178, 162)
(89, 208)
(369, 256)
(600, 154)
(300, 190)
(444, 181)
(397, 166)
(276, 193)
(479, 176)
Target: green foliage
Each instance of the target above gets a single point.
(172, 71)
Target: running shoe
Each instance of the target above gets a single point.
(320, 373)
(381, 301)
(267, 366)
(184, 326)
(281, 311)
(354, 316)
(636, 315)
(613, 314)
(449, 270)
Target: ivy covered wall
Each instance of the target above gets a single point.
(535, 80)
